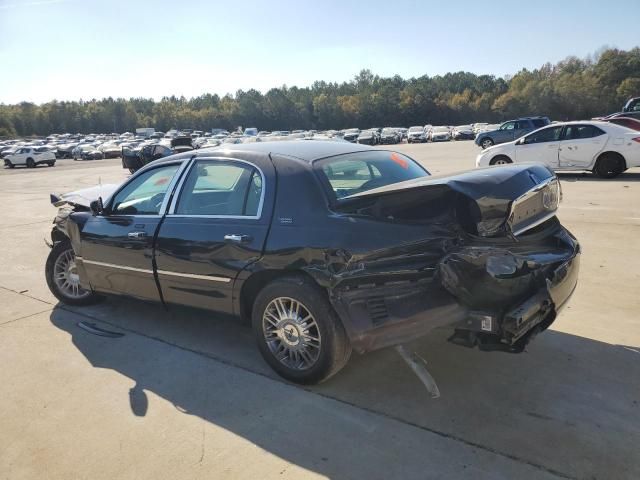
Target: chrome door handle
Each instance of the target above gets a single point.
(233, 237)
(136, 234)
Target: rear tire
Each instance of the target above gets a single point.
(500, 160)
(51, 164)
(298, 333)
(61, 275)
(609, 165)
(31, 163)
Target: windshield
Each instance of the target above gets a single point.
(416, 129)
(358, 172)
(440, 129)
(388, 130)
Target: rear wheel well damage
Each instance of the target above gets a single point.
(257, 281)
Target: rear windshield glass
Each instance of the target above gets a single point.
(358, 172)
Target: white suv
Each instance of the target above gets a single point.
(31, 157)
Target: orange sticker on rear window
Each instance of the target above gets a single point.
(399, 160)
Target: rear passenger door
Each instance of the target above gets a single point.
(217, 225)
(580, 144)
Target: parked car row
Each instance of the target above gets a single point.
(147, 144)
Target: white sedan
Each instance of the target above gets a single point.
(31, 157)
(600, 147)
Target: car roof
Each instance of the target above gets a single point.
(307, 150)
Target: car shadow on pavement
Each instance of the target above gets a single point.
(568, 403)
(590, 177)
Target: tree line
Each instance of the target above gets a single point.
(571, 89)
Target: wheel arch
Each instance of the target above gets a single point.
(58, 236)
(498, 157)
(252, 286)
(612, 153)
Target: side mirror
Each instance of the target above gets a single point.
(97, 208)
(520, 141)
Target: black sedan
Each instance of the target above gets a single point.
(327, 247)
(367, 137)
(136, 158)
(390, 136)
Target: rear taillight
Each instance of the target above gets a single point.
(636, 139)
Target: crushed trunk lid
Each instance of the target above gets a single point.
(490, 201)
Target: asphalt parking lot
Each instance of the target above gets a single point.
(185, 395)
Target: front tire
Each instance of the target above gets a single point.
(31, 163)
(62, 277)
(298, 333)
(500, 160)
(486, 143)
(10, 165)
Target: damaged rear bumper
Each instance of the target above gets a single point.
(493, 297)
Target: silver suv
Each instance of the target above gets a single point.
(510, 131)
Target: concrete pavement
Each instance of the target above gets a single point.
(185, 395)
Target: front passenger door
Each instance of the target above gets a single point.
(116, 248)
(20, 157)
(505, 134)
(540, 146)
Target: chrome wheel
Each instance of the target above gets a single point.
(65, 276)
(501, 161)
(487, 143)
(291, 333)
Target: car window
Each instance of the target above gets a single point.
(539, 122)
(579, 132)
(508, 126)
(550, 134)
(144, 194)
(522, 124)
(221, 188)
(358, 172)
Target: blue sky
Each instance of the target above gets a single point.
(72, 49)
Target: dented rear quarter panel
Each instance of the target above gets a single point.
(391, 281)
